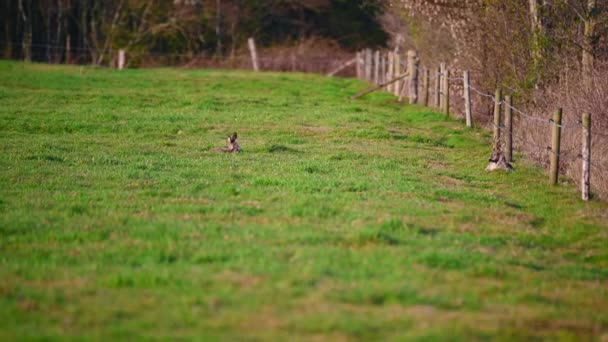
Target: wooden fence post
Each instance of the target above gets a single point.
(468, 111)
(497, 103)
(68, 50)
(397, 71)
(586, 156)
(445, 91)
(254, 55)
(368, 65)
(438, 88)
(358, 64)
(425, 86)
(121, 59)
(508, 129)
(391, 69)
(362, 56)
(383, 61)
(376, 55)
(412, 69)
(556, 135)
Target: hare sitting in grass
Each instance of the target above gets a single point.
(498, 161)
(233, 145)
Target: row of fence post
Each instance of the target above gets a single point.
(122, 59)
(385, 66)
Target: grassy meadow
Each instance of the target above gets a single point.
(341, 220)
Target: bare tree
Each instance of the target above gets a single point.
(27, 34)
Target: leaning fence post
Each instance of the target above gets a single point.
(508, 129)
(467, 99)
(425, 86)
(412, 69)
(254, 54)
(497, 103)
(586, 156)
(379, 86)
(438, 87)
(445, 91)
(556, 134)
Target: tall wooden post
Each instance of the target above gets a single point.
(508, 129)
(121, 59)
(391, 71)
(254, 54)
(438, 88)
(556, 135)
(397, 72)
(468, 111)
(360, 65)
(68, 50)
(445, 89)
(412, 69)
(368, 65)
(363, 64)
(497, 103)
(383, 61)
(425, 86)
(377, 67)
(586, 156)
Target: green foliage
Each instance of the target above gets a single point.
(117, 220)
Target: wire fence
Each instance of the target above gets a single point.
(531, 144)
(377, 68)
(310, 60)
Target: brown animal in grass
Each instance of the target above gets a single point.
(232, 145)
(497, 160)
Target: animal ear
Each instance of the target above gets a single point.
(234, 136)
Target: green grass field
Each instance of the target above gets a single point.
(341, 220)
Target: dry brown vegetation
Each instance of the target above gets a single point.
(314, 55)
(547, 55)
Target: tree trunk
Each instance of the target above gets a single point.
(590, 42)
(8, 48)
(48, 34)
(27, 34)
(218, 27)
(84, 25)
(537, 32)
(110, 35)
(58, 34)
